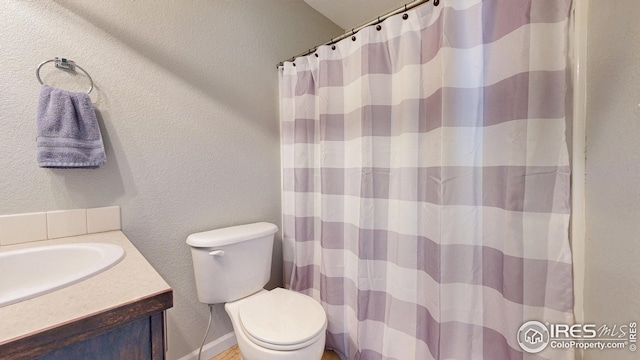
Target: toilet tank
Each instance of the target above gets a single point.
(233, 262)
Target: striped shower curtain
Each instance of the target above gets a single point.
(426, 181)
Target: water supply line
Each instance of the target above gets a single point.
(206, 332)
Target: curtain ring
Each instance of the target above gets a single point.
(436, 2)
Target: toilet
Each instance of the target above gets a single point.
(231, 266)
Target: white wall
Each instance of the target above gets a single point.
(186, 93)
(612, 286)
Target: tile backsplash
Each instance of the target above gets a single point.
(65, 223)
(22, 228)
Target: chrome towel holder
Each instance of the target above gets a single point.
(66, 64)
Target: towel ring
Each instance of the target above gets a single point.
(63, 63)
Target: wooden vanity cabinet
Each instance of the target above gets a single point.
(132, 331)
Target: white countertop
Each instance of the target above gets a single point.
(130, 280)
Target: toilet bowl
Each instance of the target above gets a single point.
(278, 325)
(231, 266)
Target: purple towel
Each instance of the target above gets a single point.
(68, 131)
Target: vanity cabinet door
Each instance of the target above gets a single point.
(139, 339)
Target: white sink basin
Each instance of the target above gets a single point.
(27, 273)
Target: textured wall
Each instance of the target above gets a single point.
(612, 287)
(186, 93)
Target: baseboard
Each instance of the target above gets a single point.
(213, 348)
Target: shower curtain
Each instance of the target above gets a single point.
(426, 181)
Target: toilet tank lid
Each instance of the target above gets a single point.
(230, 235)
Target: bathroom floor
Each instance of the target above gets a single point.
(234, 354)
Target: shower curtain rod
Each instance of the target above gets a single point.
(353, 31)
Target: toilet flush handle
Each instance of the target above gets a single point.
(217, 253)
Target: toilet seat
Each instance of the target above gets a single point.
(282, 319)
